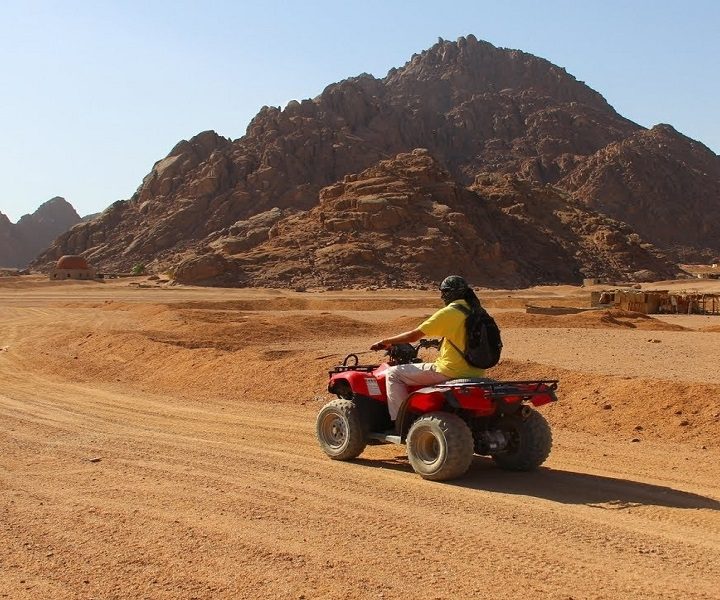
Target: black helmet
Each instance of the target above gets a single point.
(452, 288)
(454, 283)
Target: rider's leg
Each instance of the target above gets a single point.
(399, 378)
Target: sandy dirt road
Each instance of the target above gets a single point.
(127, 472)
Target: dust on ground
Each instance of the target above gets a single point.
(158, 442)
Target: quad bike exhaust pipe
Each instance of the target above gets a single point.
(525, 411)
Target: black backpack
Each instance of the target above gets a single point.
(483, 344)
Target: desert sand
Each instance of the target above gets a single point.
(158, 442)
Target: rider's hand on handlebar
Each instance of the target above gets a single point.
(378, 346)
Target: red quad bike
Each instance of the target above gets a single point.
(443, 425)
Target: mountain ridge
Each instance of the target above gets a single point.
(476, 109)
(21, 242)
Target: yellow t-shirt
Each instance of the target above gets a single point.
(449, 323)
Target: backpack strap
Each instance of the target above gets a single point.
(460, 352)
(466, 311)
(463, 309)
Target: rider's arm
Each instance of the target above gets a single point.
(402, 338)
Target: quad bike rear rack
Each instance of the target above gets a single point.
(501, 389)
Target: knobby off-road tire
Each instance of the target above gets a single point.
(339, 430)
(440, 446)
(530, 442)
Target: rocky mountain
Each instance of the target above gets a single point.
(24, 240)
(663, 184)
(405, 220)
(9, 242)
(480, 113)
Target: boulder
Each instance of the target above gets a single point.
(200, 269)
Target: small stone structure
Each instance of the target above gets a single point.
(658, 301)
(72, 267)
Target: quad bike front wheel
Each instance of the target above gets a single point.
(339, 430)
(529, 442)
(440, 446)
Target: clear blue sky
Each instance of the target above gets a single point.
(92, 93)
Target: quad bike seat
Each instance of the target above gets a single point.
(465, 381)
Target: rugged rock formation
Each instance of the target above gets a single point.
(664, 184)
(480, 111)
(9, 243)
(23, 241)
(405, 222)
(597, 245)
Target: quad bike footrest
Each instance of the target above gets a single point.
(385, 438)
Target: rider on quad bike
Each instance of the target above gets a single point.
(447, 323)
(444, 412)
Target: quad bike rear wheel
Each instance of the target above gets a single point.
(529, 442)
(440, 446)
(339, 430)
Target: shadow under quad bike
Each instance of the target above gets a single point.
(443, 425)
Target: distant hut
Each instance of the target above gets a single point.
(658, 301)
(72, 267)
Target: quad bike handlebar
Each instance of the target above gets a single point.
(429, 344)
(402, 354)
(399, 354)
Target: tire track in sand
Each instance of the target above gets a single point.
(208, 499)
